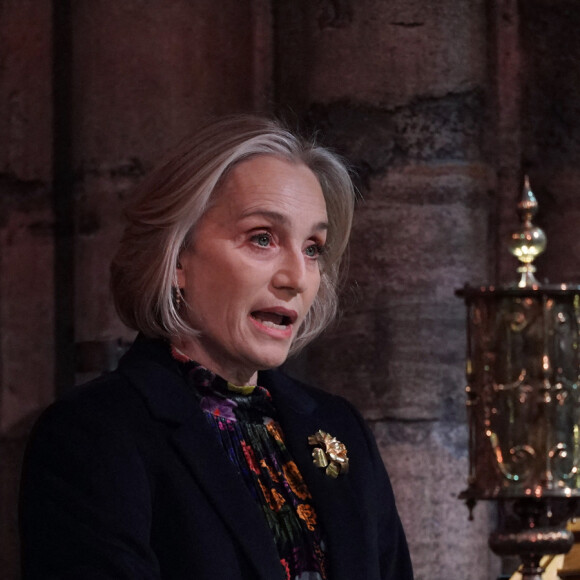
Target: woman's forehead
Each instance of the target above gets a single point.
(265, 183)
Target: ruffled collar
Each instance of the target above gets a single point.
(221, 398)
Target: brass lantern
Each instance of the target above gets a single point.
(523, 402)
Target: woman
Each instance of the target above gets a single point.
(194, 459)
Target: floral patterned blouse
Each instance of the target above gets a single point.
(244, 420)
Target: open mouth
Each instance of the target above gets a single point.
(272, 319)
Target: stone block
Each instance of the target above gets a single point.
(398, 350)
(428, 130)
(385, 53)
(25, 89)
(155, 70)
(404, 362)
(101, 194)
(550, 80)
(427, 463)
(26, 317)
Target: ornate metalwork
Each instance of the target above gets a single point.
(523, 404)
(529, 241)
(523, 396)
(329, 453)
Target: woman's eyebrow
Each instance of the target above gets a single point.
(278, 218)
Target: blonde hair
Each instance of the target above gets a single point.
(173, 198)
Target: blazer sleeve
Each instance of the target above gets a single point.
(394, 557)
(85, 502)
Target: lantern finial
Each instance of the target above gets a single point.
(528, 241)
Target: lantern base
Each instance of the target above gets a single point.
(533, 528)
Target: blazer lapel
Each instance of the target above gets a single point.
(334, 499)
(200, 450)
(169, 401)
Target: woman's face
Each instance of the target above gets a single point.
(252, 270)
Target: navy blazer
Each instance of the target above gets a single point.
(125, 479)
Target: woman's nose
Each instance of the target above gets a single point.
(290, 272)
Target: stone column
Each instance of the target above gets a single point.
(26, 245)
(399, 88)
(551, 129)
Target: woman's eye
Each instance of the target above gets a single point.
(263, 240)
(314, 251)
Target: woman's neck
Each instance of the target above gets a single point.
(237, 376)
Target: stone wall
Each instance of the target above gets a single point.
(437, 106)
(26, 244)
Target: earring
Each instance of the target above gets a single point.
(177, 290)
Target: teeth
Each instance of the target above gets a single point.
(271, 324)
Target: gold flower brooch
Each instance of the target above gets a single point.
(329, 453)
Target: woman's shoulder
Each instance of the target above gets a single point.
(307, 399)
(107, 402)
(131, 390)
(306, 393)
(103, 392)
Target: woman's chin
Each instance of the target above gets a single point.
(271, 358)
